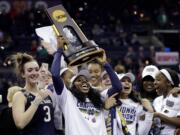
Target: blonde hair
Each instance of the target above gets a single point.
(11, 91)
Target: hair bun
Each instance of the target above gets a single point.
(19, 58)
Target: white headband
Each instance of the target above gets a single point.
(168, 76)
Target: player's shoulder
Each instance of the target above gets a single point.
(157, 100)
(175, 99)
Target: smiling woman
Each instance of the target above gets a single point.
(166, 106)
(31, 107)
(147, 89)
(81, 105)
(130, 108)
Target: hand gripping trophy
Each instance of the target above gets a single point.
(78, 48)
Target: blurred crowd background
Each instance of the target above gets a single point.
(131, 31)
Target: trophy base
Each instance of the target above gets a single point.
(83, 55)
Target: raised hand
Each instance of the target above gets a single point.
(61, 42)
(102, 59)
(111, 101)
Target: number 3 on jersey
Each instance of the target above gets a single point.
(47, 117)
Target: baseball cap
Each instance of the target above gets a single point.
(129, 75)
(82, 72)
(150, 70)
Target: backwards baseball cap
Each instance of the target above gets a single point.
(150, 70)
(82, 72)
(129, 75)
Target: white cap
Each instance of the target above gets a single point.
(80, 73)
(150, 70)
(129, 75)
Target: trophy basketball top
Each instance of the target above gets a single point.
(78, 49)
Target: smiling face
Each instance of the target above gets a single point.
(148, 84)
(126, 86)
(31, 72)
(161, 84)
(106, 81)
(81, 84)
(95, 71)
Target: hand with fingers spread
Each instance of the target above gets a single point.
(103, 58)
(111, 101)
(175, 91)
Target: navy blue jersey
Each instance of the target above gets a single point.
(42, 122)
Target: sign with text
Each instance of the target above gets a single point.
(167, 58)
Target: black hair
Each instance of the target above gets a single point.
(93, 96)
(135, 96)
(174, 77)
(143, 93)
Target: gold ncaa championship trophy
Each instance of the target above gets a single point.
(78, 49)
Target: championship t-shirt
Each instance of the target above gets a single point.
(169, 106)
(131, 111)
(81, 118)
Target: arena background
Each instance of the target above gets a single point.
(131, 31)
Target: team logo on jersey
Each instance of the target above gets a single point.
(169, 103)
(129, 113)
(88, 110)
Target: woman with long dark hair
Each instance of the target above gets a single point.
(131, 116)
(81, 105)
(166, 106)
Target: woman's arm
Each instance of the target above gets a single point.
(116, 84)
(56, 66)
(175, 121)
(55, 71)
(21, 116)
